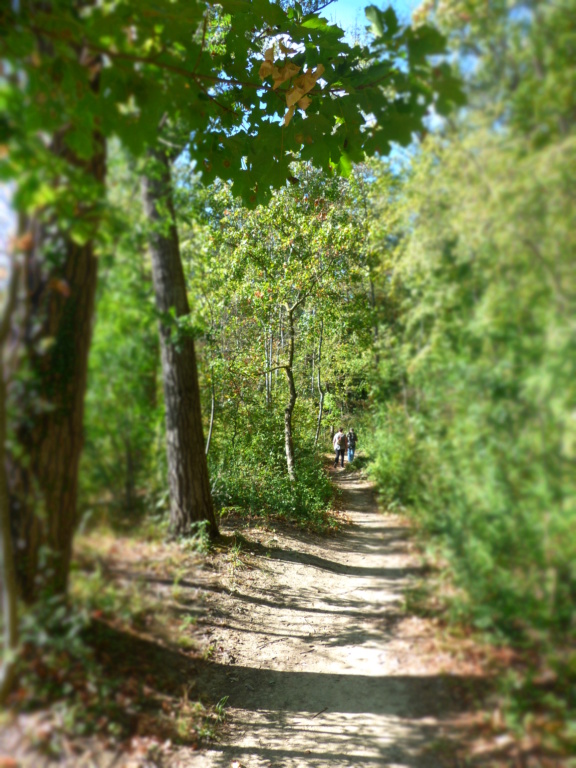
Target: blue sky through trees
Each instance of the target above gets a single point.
(349, 14)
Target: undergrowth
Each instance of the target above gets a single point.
(113, 662)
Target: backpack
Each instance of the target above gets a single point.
(341, 440)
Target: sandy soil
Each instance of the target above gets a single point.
(320, 663)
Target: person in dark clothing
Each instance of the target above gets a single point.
(351, 439)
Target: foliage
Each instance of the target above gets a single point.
(477, 430)
(200, 65)
(192, 76)
(123, 456)
(394, 465)
(306, 249)
(249, 470)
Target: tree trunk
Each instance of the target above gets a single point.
(130, 478)
(7, 568)
(44, 486)
(375, 329)
(190, 498)
(212, 409)
(53, 334)
(268, 363)
(320, 388)
(312, 374)
(289, 410)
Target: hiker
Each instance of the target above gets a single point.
(339, 444)
(351, 439)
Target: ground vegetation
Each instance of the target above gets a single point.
(477, 390)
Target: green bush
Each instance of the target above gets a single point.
(476, 432)
(394, 457)
(248, 470)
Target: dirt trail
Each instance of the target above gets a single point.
(320, 664)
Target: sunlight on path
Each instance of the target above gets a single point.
(313, 669)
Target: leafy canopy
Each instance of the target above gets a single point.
(83, 71)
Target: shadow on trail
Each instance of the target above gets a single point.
(397, 695)
(387, 574)
(353, 719)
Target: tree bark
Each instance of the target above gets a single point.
(7, 568)
(268, 361)
(212, 409)
(43, 480)
(53, 334)
(289, 410)
(190, 498)
(320, 388)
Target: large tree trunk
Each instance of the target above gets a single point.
(44, 478)
(190, 498)
(53, 334)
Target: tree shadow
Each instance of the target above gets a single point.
(333, 719)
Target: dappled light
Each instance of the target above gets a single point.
(287, 384)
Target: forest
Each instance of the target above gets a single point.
(236, 229)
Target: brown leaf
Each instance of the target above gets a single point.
(285, 73)
(288, 116)
(307, 81)
(294, 95)
(266, 69)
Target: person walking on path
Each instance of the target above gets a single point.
(351, 439)
(339, 444)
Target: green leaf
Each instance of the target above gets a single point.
(382, 23)
(425, 41)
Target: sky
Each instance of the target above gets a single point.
(349, 14)
(7, 231)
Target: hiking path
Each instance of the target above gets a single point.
(309, 639)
